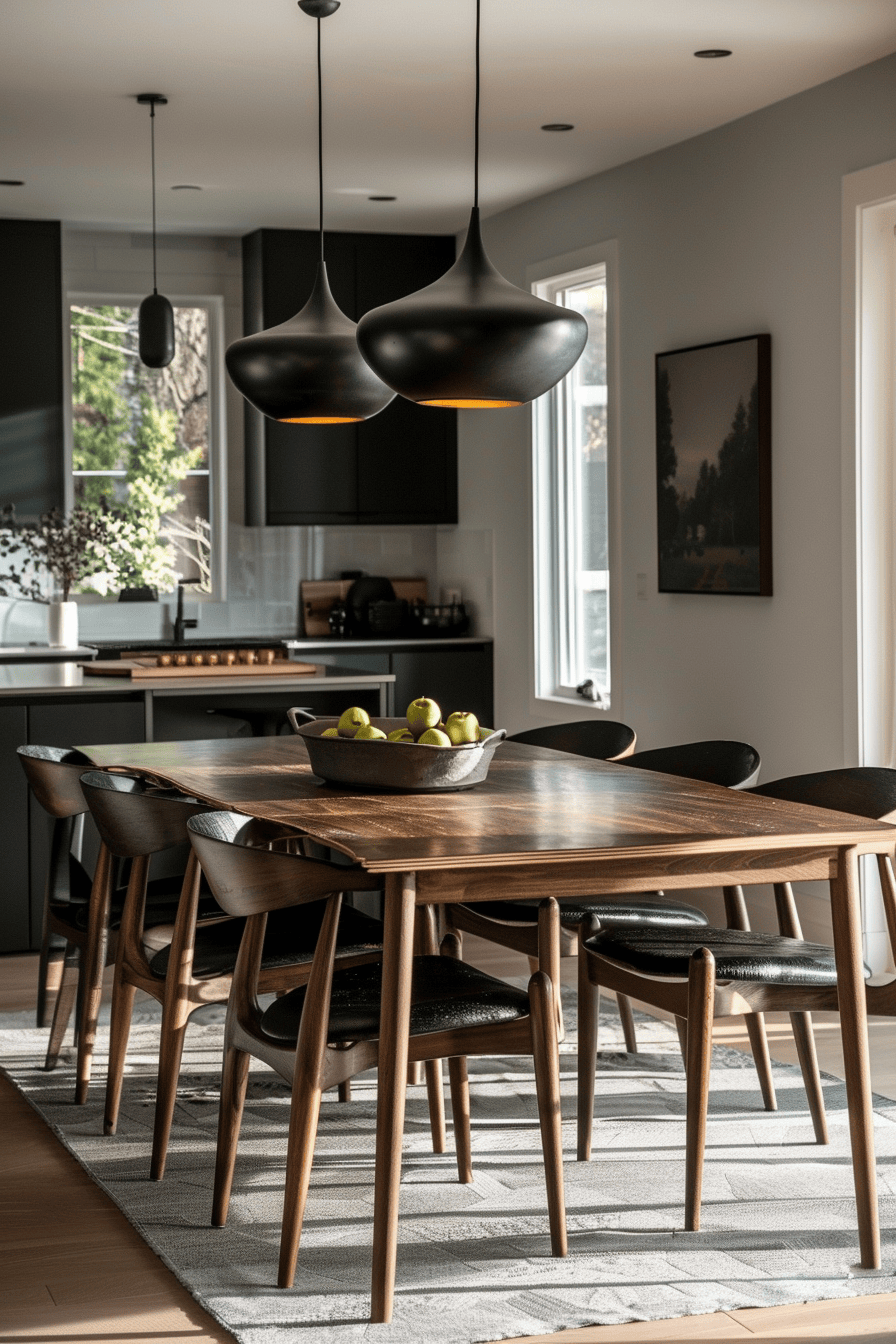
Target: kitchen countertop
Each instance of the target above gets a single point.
(42, 653)
(331, 644)
(68, 678)
(110, 647)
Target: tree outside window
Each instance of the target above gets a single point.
(141, 443)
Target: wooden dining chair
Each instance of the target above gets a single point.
(512, 924)
(81, 914)
(136, 818)
(326, 1031)
(725, 972)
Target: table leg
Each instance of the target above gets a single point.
(395, 1013)
(847, 922)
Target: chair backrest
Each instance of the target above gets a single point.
(601, 739)
(255, 866)
(862, 791)
(136, 816)
(732, 764)
(54, 774)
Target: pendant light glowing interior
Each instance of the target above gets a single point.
(155, 320)
(472, 340)
(309, 370)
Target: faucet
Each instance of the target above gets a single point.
(180, 622)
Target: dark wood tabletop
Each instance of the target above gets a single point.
(536, 806)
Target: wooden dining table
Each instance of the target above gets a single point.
(544, 823)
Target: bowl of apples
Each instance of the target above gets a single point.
(416, 754)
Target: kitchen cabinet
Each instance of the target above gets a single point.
(14, 921)
(458, 674)
(398, 467)
(31, 355)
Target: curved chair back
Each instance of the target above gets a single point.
(862, 791)
(54, 774)
(256, 866)
(136, 817)
(601, 739)
(735, 765)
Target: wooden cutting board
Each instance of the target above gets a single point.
(143, 669)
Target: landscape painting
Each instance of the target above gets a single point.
(713, 462)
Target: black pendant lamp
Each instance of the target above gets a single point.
(309, 370)
(472, 340)
(155, 327)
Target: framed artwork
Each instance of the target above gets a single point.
(713, 468)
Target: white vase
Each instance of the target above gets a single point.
(63, 625)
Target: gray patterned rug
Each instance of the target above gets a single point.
(474, 1261)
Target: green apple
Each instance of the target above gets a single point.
(400, 735)
(462, 726)
(330, 732)
(484, 733)
(351, 721)
(422, 714)
(433, 737)
(368, 733)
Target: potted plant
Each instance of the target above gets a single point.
(69, 550)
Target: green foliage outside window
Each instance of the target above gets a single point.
(150, 428)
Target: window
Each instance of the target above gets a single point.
(143, 440)
(572, 479)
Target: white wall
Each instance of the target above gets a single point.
(733, 232)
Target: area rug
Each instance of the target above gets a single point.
(474, 1261)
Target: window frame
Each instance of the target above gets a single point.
(546, 688)
(217, 417)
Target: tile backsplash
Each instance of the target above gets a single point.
(265, 566)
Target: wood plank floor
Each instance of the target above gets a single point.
(73, 1269)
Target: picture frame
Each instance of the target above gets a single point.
(713, 464)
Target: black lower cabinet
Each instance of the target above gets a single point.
(457, 679)
(14, 906)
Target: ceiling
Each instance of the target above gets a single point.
(398, 85)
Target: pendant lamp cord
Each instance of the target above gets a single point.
(152, 141)
(320, 147)
(476, 142)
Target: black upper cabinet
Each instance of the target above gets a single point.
(31, 387)
(398, 467)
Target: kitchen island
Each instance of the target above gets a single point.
(58, 704)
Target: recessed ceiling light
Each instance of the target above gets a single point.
(382, 198)
(558, 126)
(11, 182)
(712, 53)
(186, 186)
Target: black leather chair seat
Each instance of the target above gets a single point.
(290, 940)
(763, 958)
(445, 994)
(656, 911)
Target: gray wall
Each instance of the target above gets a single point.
(733, 232)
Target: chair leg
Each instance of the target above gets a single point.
(460, 1111)
(436, 1098)
(755, 1025)
(234, 1076)
(344, 1090)
(588, 1012)
(701, 1003)
(546, 1058)
(626, 1017)
(171, 1050)
(119, 1031)
(49, 975)
(736, 913)
(65, 1001)
(805, 1048)
(306, 1092)
(93, 962)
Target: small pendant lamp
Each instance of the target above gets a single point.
(155, 326)
(309, 370)
(472, 340)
